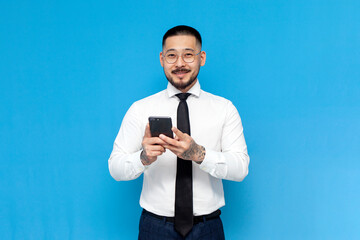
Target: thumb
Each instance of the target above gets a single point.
(147, 131)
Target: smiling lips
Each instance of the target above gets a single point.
(180, 72)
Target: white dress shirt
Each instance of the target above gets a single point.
(214, 124)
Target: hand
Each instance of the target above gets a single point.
(152, 147)
(184, 146)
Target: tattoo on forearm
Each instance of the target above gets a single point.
(144, 159)
(195, 152)
(201, 154)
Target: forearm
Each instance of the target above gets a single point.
(124, 167)
(230, 160)
(124, 162)
(226, 165)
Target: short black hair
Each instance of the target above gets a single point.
(182, 30)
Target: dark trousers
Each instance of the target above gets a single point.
(154, 228)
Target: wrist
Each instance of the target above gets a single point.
(200, 154)
(144, 159)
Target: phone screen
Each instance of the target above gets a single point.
(160, 125)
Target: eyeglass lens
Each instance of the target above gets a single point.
(187, 56)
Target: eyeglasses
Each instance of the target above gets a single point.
(172, 56)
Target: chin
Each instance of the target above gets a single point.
(181, 84)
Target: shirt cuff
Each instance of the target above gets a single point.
(138, 166)
(212, 161)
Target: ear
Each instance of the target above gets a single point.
(161, 59)
(203, 58)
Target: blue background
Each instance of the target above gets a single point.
(69, 70)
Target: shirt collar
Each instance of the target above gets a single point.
(172, 91)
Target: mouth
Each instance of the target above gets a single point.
(181, 72)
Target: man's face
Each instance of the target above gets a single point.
(181, 74)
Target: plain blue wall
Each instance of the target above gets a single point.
(69, 70)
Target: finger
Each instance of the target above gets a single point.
(172, 148)
(155, 153)
(156, 148)
(178, 133)
(147, 131)
(168, 140)
(155, 140)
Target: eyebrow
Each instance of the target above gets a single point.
(186, 49)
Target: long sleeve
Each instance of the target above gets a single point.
(124, 162)
(215, 124)
(232, 161)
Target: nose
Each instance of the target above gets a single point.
(180, 62)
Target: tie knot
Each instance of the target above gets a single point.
(183, 96)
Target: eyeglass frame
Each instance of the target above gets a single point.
(182, 56)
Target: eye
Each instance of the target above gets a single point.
(171, 55)
(188, 55)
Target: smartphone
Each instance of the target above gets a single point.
(160, 125)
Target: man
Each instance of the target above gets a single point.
(182, 187)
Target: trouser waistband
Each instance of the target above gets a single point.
(197, 219)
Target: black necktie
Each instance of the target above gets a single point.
(183, 187)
